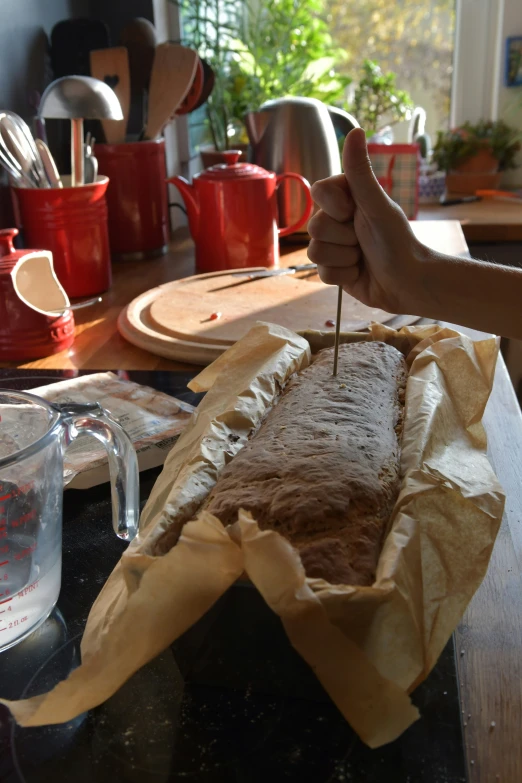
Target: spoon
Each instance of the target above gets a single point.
(77, 98)
(49, 164)
(78, 305)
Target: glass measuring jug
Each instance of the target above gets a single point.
(33, 436)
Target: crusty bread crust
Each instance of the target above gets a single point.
(323, 468)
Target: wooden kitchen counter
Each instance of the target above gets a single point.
(98, 344)
(489, 638)
(481, 221)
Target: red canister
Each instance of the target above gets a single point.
(72, 224)
(136, 198)
(27, 288)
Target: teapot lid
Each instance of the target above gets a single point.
(231, 169)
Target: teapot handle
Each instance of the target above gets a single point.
(309, 206)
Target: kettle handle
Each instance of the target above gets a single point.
(309, 206)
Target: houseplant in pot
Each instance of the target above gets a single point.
(474, 156)
(377, 101)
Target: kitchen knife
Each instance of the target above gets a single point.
(287, 270)
(250, 277)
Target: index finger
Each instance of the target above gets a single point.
(333, 196)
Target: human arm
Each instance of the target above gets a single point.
(363, 241)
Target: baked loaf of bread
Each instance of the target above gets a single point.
(323, 468)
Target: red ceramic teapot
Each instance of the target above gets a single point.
(35, 315)
(232, 213)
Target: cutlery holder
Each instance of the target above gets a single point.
(72, 224)
(136, 198)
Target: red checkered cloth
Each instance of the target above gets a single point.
(396, 166)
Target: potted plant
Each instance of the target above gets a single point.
(377, 102)
(474, 156)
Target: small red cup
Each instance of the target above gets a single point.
(136, 198)
(72, 224)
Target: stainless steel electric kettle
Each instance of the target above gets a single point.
(299, 135)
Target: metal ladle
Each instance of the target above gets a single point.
(77, 98)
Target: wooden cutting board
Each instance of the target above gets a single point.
(185, 308)
(174, 320)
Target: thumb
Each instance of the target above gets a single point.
(365, 189)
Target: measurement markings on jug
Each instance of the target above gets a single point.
(14, 623)
(17, 491)
(25, 552)
(28, 589)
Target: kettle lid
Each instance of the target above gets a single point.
(232, 170)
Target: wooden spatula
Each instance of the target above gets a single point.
(112, 67)
(139, 37)
(173, 72)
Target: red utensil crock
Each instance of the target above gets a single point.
(136, 198)
(233, 216)
(72, 224)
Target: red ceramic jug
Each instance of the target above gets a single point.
(29, 292)
(232, 213)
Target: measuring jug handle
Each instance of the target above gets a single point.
(92, 419)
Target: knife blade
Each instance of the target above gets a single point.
(250, 277)
(287, 270)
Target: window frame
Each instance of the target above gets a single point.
(477, 60)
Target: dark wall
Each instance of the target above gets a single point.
(24, 29)
(117, 14)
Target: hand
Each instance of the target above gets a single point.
(361, 239)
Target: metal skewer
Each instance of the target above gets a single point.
(337, 327)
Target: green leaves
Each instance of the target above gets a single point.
(261, 50)
(286, 50)
(266, 49)
(377, 101)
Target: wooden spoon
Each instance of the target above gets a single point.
(209, 78)
(190, 100)
(173, 73)
(139, 37)
(112, 67)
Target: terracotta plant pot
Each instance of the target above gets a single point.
(482, 163)
(467, 184)
(477, 173)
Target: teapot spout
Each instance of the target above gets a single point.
(256, 123)
(191, 202)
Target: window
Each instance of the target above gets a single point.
(447, 53)
(413, 38)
